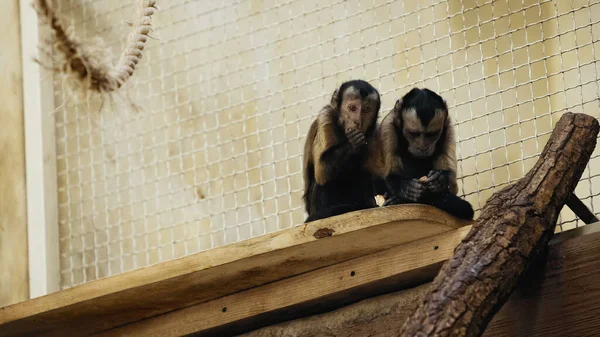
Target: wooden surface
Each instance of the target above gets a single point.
(40, 159)
(514, 226)
(329, 287)
(13, 222)
(201, 277)
(558, 297)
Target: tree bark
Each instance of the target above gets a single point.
(515, 225)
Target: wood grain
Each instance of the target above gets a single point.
(13, 222)
(514, 226)
(392, 269)
(559, 296)
(222, 271)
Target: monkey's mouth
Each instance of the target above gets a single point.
(420, 155)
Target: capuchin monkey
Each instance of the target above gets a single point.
(337, 175)
(418, 154)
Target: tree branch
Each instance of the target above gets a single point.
(514, 226)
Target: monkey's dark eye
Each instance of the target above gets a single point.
(431, 134)
(352, 107)
(366, 110)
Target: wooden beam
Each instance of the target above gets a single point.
(222, 271)
(13, 223)
(326, 288)
(40, 160)
(559, 297)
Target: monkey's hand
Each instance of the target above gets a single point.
(412, 190)
(438, 181)
(356, 138)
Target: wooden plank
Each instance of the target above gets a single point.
(40, 151)
(379, 316)
(575, 232)
(201, 277)
(559, 297)
(322, 289)
(549, 301)
(13, 224)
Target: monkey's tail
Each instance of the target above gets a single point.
(336, 210)
(454, 205)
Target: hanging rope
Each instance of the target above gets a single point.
(93, 69)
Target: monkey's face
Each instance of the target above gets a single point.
(358, 112)
(422, 139)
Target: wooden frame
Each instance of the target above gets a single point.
(40, 152)
(13, 230)
(204, 277)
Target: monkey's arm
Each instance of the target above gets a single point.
(331, 162)
(393, 168)
(375, 163)
(443, 174)
(329, 152)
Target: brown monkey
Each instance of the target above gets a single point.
(417, 140)
(336, 173)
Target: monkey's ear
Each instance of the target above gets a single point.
(334, 99)
(398, 105)
(398, 117)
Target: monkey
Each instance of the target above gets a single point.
(337, 177)
(418, 154)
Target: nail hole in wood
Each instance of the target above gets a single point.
(436, 248)
(352, 273)
(224, 309)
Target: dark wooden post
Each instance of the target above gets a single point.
(514, 226)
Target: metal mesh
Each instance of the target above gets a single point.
(227, 93)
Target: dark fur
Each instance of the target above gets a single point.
(425, 101)
(397, 176)
(349, 184)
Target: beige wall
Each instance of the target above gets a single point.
(14, 286)
(227, 92)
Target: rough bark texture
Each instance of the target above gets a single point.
(514, 226)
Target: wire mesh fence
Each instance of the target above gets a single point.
(226, 93)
